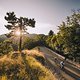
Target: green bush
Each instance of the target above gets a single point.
(5, 47)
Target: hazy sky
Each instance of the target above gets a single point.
(47, 13)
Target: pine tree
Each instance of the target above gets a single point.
(21, 24)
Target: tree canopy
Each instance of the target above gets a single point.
(50, 33)
(67, 41)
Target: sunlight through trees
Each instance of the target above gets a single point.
(18, 25)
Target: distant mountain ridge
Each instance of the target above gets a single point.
(27, 35)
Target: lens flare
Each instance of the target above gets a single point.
(17, 33)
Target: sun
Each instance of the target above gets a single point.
(17, 33)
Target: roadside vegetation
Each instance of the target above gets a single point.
(20, 66)
(67, 41)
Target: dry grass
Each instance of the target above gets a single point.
(16, 66)
(33, 52)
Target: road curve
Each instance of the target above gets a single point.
(69, 73)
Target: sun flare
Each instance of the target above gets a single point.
(17, 32)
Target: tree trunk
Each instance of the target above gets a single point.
(20, 43)
(20, 40)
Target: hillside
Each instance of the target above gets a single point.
(5, 36)
(23, 66)
(15, 39)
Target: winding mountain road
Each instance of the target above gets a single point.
(70, 72)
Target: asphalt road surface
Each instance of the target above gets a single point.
(70, 72)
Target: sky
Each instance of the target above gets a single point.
(48, 14)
